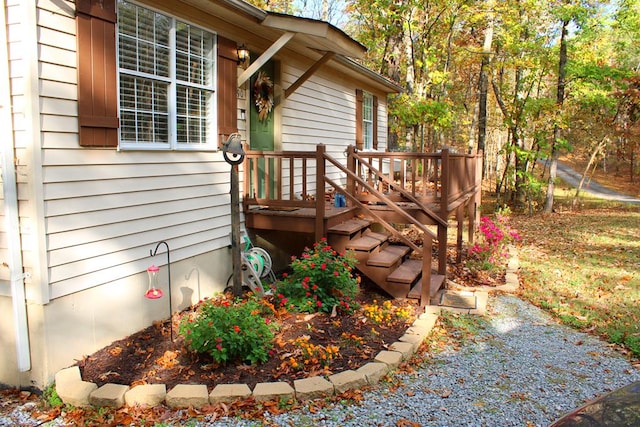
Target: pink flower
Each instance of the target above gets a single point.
(323, 266)
(219, 347)
(336, 273)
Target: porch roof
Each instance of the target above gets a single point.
(319, 40)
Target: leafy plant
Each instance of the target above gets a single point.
(229, 331)
(309, 356)
(385, 313)
(352, 340)
(50, 396)
(321, 279)
(490, 249)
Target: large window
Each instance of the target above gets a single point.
(367, 120)
(167, 84)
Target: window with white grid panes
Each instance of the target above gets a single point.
(166, 78)
(367, 120)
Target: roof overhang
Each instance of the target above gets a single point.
(314, 34)
(384, 84)
(270, 32)
(304, 33)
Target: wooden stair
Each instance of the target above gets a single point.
(388, 265)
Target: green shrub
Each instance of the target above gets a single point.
(320, 280)
(229, 331)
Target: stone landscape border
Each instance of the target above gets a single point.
(74, 391)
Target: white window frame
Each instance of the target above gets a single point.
(173, 83)
(367, 121)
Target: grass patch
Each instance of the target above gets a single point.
(582, 266)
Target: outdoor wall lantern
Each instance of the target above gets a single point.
(243, 54)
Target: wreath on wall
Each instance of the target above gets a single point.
(263, 95)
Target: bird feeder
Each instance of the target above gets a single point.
(153, 292)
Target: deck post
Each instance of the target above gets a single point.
(320, 203)
(445, 171)
(351, 165)
(460, 225)
(425, 292)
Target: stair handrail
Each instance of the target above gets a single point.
(381, 196)
(431, 214)
(378, 218)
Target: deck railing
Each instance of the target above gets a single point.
(289, 178)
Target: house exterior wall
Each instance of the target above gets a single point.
(90, 216)
(103, 211)
(322, 111)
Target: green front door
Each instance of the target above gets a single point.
(261, 130)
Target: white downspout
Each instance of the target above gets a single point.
(11, 205)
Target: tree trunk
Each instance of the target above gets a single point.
(562, 65)
(592, 159)
(484, 79)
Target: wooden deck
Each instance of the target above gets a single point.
(294, 219)
(294, 192)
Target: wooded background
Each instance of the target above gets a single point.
(522, 80)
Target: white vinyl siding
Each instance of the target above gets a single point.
(322, 111)
(105, 209)
(166, 70)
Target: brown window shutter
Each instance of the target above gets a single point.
(375, 123)
(97, 83)
(359, 133)
(227, 88)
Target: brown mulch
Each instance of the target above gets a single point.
(149, 356)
